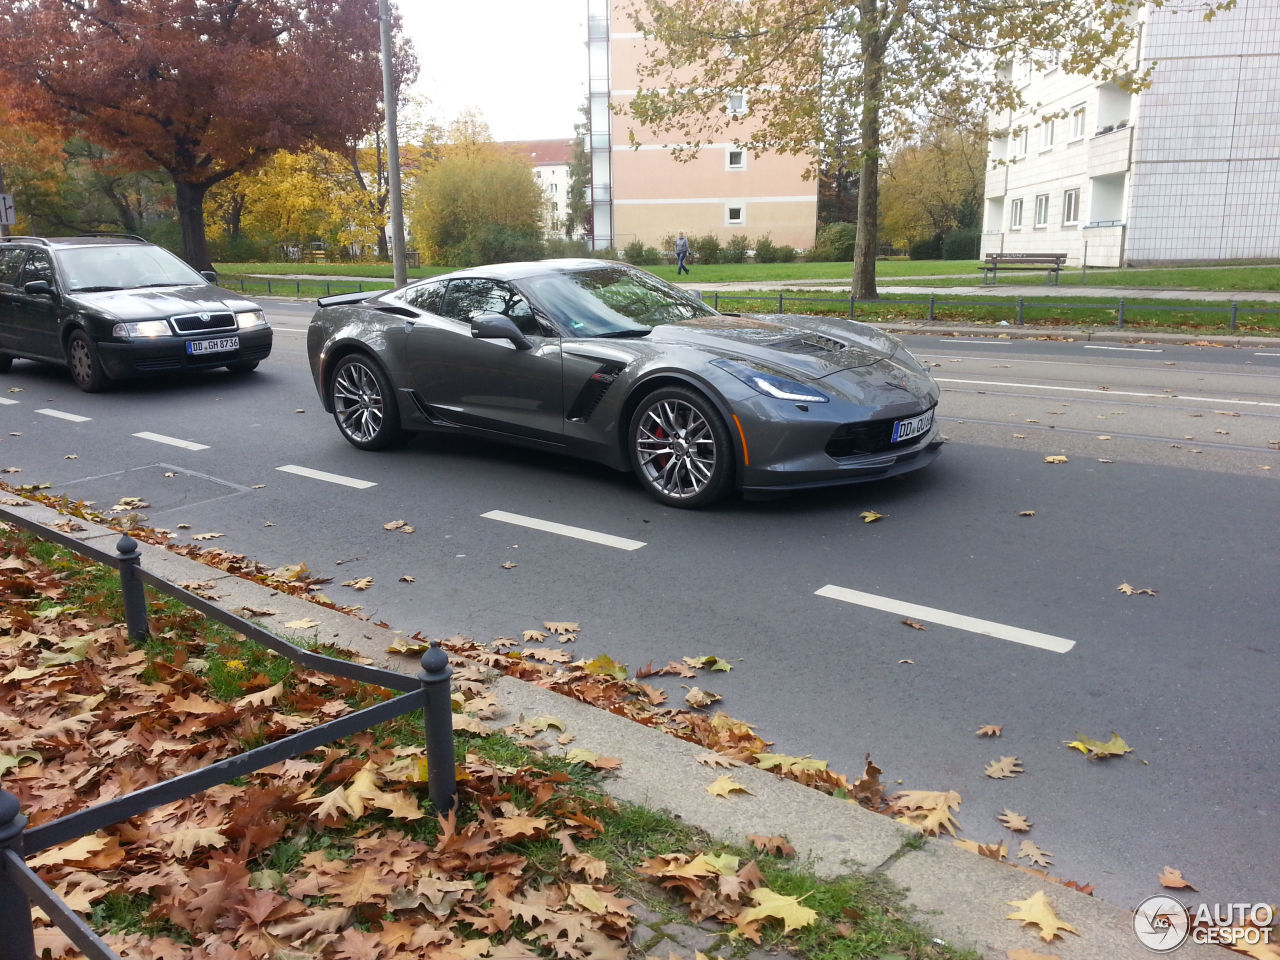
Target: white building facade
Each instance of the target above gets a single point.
(1186, 171)
(550, 161)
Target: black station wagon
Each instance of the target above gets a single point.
(112, 307)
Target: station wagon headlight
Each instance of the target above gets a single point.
(771, 385)
(250, 318)
(141, 328)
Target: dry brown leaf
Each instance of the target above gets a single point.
(1130, 591)
(509, 565)
(718, 760)
(1036, 910)
(992, 851)
(1024, 954)
(990, 730)
(1014, 821)
(726, 785)
(1056, 459)
(1172, 879)
(306, 623)
(1004, 768)
(1027, 850)
(561, 627)
(361, 583)
(1026, 513)
(207, 536)
(776, 846)
(699, 698)
(408, 579)
(912, 624)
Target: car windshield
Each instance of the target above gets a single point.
(123, 267)
(613, 301)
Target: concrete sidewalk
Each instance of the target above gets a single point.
(961, 897)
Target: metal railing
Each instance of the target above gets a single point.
(20, 887)
(869, 308)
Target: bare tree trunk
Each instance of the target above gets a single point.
(190, 201)
(863, 286)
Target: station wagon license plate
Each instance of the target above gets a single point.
(220, 345)
(913, 427)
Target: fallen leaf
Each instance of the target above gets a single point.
(1105, 460)
(394, 524)
(306, 623)
(776, 906)
(1055, 459)
(726, 785)
(870, 516)
(1004, 768)
(1096, 749)
(1104, 436)
(72, 456)
(1129, 591)
(207, 536)
(698, 698)
(1027, 850)
(1024, 954)
(362, 583)
(775, 846)
(1014, 821)
(1036, 910)
(992, 851)
(1172, 879)
(913, 625)
(509, 565)
(718, 760)
(990, 730)
(911, 662)
(1026, 513)
(562, 627)
(408, 579)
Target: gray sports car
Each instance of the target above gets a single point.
(603, 361)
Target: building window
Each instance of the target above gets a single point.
(737, 104)
(1077, 122)
(735, 213)
(555, 208)
(1015, 214)
(1042, 210)
(737, 160)
(555, 188)
(537, 174)
(1071, 207)
(1046, 135)
(1020, 145)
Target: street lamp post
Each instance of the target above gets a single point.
(393, 148)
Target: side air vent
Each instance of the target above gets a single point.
(592, 392)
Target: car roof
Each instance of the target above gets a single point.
(106, 239)
(530, 268)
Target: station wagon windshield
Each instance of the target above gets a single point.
(123, 267)
(613, 301)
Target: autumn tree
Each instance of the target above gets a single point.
(201, 90)
(933, 183)
(577, 210)
(477, 202)
(813, 69)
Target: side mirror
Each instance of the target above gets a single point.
(210, 275)
(35, 287)
(494, 326)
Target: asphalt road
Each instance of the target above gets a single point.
(1163, 489)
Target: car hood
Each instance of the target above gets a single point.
(801, 346)
(158, 302)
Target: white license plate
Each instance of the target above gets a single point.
(220, 345)
(914, 427)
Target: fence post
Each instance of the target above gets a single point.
(297, 287)
(931, 308)
(1234, 305)
(437, 711)
(18, 941)
(1120, 314)
(851, 301)
(715, 299)
(135, 598)
(780, 303)
(1019, 311)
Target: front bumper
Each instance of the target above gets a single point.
(141, 357)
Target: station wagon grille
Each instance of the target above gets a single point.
(204, 322)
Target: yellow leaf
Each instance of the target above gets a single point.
(806, 764)
(588, 898)
(183, 842)
(870, 516)
(776, 906)
(306, 623)
(1097, 750)
(1036, 910)
(1055, 460)
(73, 852)
(725, 864)
(263, 697)
(726, 785)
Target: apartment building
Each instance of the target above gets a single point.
(640, 192)
(550, 161)
(1187, 170)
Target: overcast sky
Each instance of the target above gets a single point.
(521, 63)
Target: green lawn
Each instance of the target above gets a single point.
(1239, 278)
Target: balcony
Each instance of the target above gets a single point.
(1109, 151)
(997, 182)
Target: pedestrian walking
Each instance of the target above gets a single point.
(682, 253)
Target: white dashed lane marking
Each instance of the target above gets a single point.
(327, 477)
(74, 418)
(6, 401)
(947, 619)
(172, 441)
(1098, 346)
(564, 530)
(1113, 393)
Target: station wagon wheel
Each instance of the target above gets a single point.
(680, 448)
(86, 367)
(364, 405)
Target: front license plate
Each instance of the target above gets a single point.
(220, 345)
(914, 427)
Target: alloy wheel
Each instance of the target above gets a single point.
(358, 402)
(676, 450)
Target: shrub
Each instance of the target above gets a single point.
(607, 253)
(786, 253)
(706, 249)
(667, 248)
(766, 252)
(928, 249)
(735, 250)
(561, 247)
(836, 241)
(961, 244)
(637, 253)
(496, 243)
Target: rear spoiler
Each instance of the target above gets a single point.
(340, 298)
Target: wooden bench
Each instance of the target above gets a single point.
(1052, 262)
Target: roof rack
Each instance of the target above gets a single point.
(118, 236)
(27, 240)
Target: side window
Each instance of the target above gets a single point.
(10, 261)
(471, 298)
(425, 296)
(37, 267)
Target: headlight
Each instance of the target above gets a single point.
(142, 328)
(770, 385)
(250, 318)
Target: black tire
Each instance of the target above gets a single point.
(6, 363)
(243, 366)
(680, 448)
(85, 364)
(364, 404)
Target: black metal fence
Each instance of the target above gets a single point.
(21, 888)
(868, 309)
